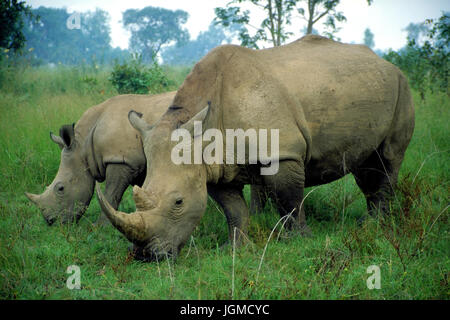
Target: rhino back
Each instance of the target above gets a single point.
(343, 96)
(112, 139)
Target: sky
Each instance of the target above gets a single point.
(387, 19)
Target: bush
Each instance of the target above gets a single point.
(427, 65)
(135, 77)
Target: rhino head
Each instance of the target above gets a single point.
(68, 196)
(171, 201)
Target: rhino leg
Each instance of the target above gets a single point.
(118, 178)
(286, 189)
(231, 199)
(258, 199)
(378, 175)
(376, 178)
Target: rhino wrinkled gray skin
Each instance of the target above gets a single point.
(339, 109)
(102, 146)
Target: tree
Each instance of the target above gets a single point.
(319, 9)
(192, 51)
(12, 14)
(368, 38)
(53, 42)
(272, 28)
(427, 65)
(151, 28)
(279, 15)
(416, 31)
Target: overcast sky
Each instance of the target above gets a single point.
(385, 18)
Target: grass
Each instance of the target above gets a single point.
(411, 246)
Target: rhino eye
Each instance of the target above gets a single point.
(59, 188)
(178, 202)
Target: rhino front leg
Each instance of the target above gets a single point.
(231, 199)
(286, 189)
(118, 178)
(258, 199)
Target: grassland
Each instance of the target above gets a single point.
(411, 245)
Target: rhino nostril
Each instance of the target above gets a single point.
(50, 221)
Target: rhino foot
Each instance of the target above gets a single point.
(102, 221)
(297, 231)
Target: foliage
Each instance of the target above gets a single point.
(279, 14)
(152, 27)
(368, 38)
(272, 28)
(319, 9)
(192, 51)
(135, 77)
(12, 13)
(427, 65)
(416, 31)
(52, 42)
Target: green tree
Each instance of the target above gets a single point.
(317, 10)
(272, 28)
(279, 14)
(151, 28)
(193, 50)
(53, 42)
(12, 14)
(416, 31)
(369, 38)
(427, 65)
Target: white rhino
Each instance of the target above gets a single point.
(339, 109)
(102, 146)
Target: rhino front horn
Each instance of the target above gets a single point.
(131, 225)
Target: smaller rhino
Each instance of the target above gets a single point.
(101, 146)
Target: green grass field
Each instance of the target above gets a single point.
(411, 246)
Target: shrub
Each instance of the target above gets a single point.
(135, 77)
(427, 65)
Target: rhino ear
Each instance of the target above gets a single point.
(57, 139)
(138, 122)
(67, 133)
(201, 116)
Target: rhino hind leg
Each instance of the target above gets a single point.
(118, 178)
(231, 199)
(286, 189)
(377, 178)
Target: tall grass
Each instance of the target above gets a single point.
(411, 246)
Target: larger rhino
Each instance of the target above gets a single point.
(339, 109)
(102, 146)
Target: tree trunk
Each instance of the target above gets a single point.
(311, 5)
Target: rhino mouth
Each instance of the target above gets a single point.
(50, 220)
(67, 216)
